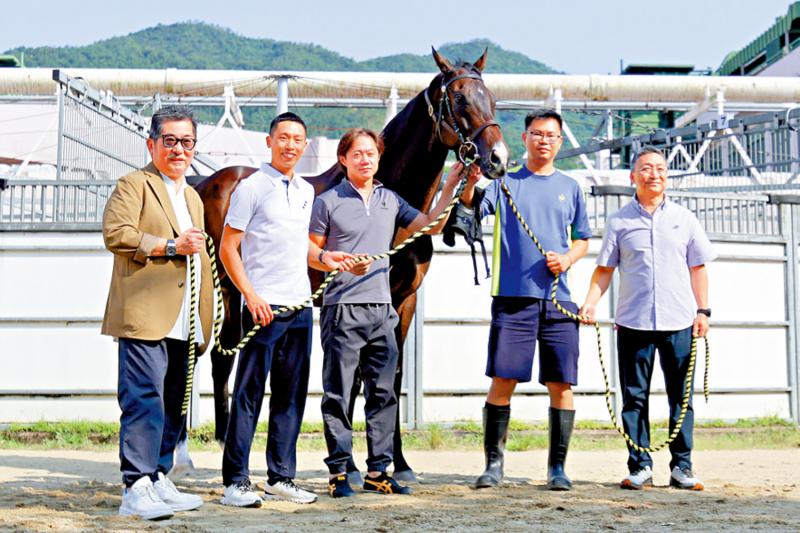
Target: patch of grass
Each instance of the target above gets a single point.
(765, 433)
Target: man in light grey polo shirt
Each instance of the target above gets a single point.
(268, 217)
(357, 320)
(661, 251)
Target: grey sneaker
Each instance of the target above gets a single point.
(683, 478)
(285, 489)
(638, 480)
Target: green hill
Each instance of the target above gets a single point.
(196, 45)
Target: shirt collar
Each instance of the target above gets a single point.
(641, 208)
(525, 172)
(170, 183)
(275, 176)
(375, 185)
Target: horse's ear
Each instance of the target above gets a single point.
(442, 62)
(481, 62)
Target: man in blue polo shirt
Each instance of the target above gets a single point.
(661, 251)
(357, 320)
(553, 206)
(268, 218)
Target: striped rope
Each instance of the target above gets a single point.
(687, 387)
(187, 393)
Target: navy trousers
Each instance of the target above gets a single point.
(152, 381)
(359, 337)
(636, 352)
(284, 349)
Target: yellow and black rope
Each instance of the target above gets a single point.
(687, 387)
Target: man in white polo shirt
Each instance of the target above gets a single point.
(268, 217)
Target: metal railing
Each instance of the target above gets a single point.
(719, 213)
(751, 153)
(45, 205)
(98, 138)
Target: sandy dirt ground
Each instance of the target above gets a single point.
(63, 490)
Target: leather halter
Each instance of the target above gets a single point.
(466, 144)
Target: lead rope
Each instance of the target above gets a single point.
(217, 325)
(687, 387)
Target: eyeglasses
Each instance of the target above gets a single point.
(549, 138)
(170, 141)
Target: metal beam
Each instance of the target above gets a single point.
(587, 88)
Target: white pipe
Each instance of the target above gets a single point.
(593, 87)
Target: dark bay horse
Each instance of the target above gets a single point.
(455, 112)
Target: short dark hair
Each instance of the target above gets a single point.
(644, 150)
(171, 113)
(287, 117)
(539, 114)
(349, 138)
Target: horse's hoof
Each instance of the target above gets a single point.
(180, 470)
(405, 475)
(354, 478)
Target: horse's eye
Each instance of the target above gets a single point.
(460, 99)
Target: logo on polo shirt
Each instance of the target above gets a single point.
(562, 198)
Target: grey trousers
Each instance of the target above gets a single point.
(359, 337)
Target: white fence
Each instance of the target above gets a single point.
(56, 365)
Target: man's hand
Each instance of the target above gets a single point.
(457, 171)
(558, 263)
(338, 260)
(361, 267)
(700, 326)
(190, 242)
(259, 308)
(587, 312)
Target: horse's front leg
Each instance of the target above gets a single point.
(221, 365)
(402, 470)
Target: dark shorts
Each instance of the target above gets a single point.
(517, 323)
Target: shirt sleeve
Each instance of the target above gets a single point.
(320, 218)
(580, 223)
(489, 200)
(241, 208)
(405, 212)
(699, 251)
(609, 249)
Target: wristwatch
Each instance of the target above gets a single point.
(706, 312)
(171, 250)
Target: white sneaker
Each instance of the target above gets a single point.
(682, 478)
(287, 490)
(240, 495)
(178, 501)
(638, 480)
(141, 499)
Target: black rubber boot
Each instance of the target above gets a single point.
(495, 434)
(561, 423)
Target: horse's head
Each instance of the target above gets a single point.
(463, 108)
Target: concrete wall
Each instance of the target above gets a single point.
(54, 364)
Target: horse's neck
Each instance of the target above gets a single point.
(414, 157)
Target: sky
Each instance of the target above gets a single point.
(577, 37)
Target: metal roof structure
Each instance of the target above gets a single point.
(777, 42)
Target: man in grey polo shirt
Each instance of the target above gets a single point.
(357, 320)
(661, 251)
(268, 218)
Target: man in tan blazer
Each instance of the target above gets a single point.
(153, 224)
